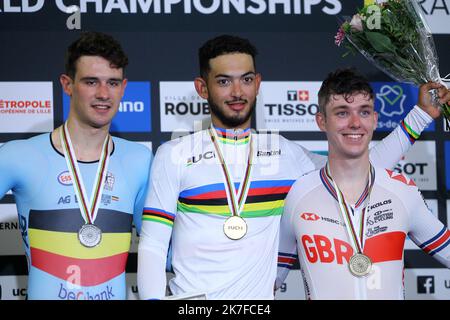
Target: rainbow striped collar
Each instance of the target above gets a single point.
(233, 136)
(328, 183)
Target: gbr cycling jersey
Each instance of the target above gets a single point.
(313, 227)
(49, 217)
(187, 206)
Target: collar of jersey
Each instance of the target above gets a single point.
(329, 186)
(233, 136)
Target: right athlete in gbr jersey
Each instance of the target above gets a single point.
(348, 221)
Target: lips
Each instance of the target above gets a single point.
(237, 105)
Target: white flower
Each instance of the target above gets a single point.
(356, 23)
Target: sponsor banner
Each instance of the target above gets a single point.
(393, 101)
(181, 108)
(132, 288)
(134, 113)
(427, 284)
(13, 287)
(10, 235)
(447, 164)
(292, 288)
(170, 15)
(26, 107)
(433, 206)
(437, 15)
(420, 165)
(287, 106)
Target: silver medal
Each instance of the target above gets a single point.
(235, 228)
(90, 235)
(360, 265)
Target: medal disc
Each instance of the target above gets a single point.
(89, 235)
(235, 228)
(360, 265)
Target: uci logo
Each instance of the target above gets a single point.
(65, 178)
(195, 159)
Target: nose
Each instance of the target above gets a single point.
(102, 91)
(236, 89)
(355, 121)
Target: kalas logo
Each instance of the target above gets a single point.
(65, 178)
(309, 216)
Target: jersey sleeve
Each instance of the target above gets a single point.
(426, 230)
(287, 252)
(157, 222)
(140, 198)
(388, 152)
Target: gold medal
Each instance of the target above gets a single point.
(235, 228)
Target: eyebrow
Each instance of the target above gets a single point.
(229, 76)
(97, 78)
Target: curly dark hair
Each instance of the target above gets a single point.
(344, 82)
(95, 44)
(221, 45)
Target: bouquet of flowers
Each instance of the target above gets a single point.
(394, 36)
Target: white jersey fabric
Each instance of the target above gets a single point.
(186, 207)
(313, 226)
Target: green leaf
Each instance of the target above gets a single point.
(380, 42)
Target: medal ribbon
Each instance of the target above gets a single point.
(358, 242)
(88, 206)
(236, 206)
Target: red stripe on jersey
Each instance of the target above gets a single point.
(286, 260)
(93, 271)
(437, 243)
(385, 247)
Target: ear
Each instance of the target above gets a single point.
(321, 120)
(201, 87)
(258, 82)
(375, 114)
(124, 85)
(66, 83)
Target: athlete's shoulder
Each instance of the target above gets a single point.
(395, 182)
(185, 144)
(306, 183)
(127, 146)
(26, 145)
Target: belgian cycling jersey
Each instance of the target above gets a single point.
(187, 205)
(49, 217)
(313, 226)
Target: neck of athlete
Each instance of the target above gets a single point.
(350, 175)
(87, 141)
(219, 124)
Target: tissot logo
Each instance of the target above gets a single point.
(309, 216)
(425, 284)
(392, 102)
(300, 95)
(280, 107)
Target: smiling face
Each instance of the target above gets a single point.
(230, 88)
(349, 122)
(95, 91)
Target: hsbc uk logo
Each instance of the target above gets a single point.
(309, 216)
(298, 95)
